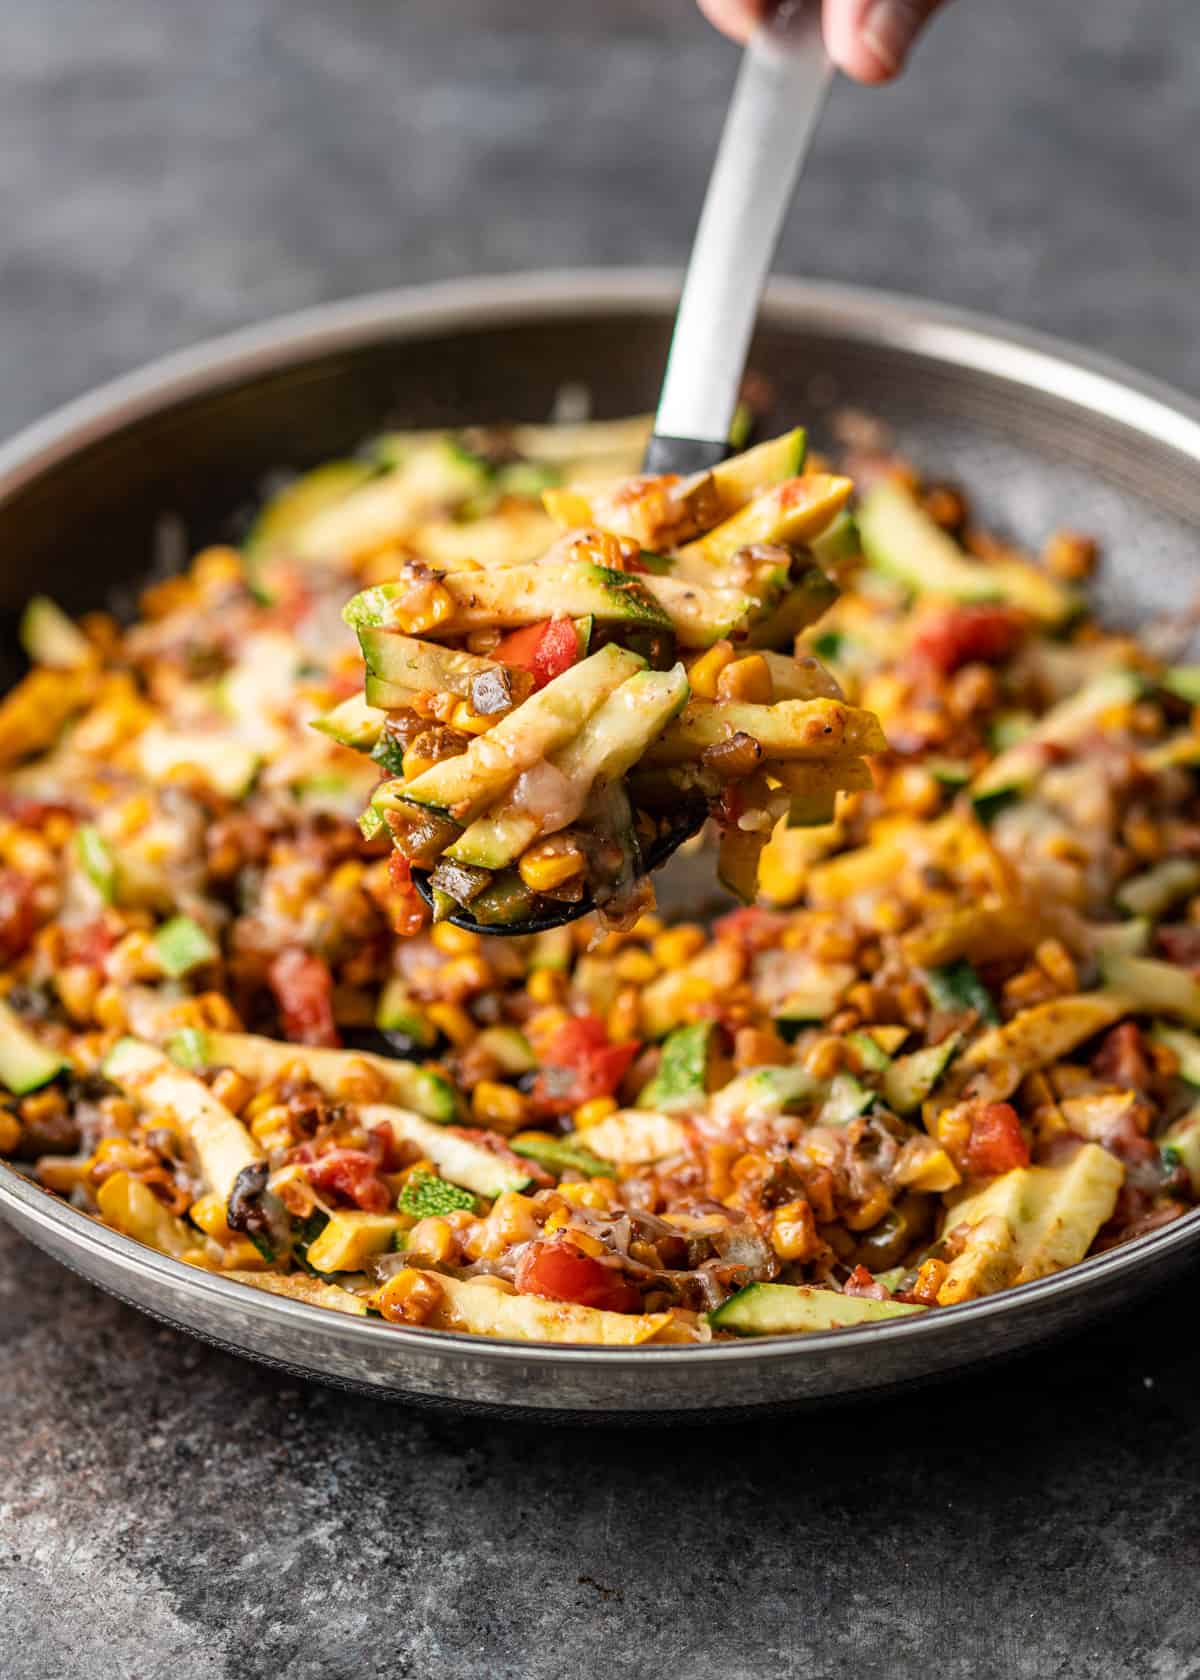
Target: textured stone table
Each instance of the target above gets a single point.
(168, 1513)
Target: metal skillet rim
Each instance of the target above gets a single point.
(872, 318)
(83, 1231)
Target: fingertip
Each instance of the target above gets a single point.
(858, 62)
(735, 18)
(869, 39)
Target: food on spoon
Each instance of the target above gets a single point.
(595, 694)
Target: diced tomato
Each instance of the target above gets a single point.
(353, 1175)
(303, 988)
(860, 1282)
(24, 809)
(384, 1149)
(1180, 944)
(952, 636)
(581, 1063)
(88, 942)
(16, 913)
(752, 929)
(1122, 1058)
(561, 1272)
(546, 649)
(996, 1144)
(407, 909)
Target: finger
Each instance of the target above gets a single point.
(870, 39)
(734, 17)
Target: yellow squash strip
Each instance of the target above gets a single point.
(486, 1311)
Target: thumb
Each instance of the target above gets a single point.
(734, 17)
(870, 39)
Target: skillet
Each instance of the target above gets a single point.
(169, 458)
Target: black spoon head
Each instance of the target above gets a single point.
(689, 821)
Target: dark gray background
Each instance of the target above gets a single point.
(168, 1513)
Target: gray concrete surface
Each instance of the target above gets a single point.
(168, 1513)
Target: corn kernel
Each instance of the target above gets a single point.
(824, 1057)
(134, 958)
(546, 986)
(260, 1103)
(454, 941)
(433, 1239)
(583, 1240)
(510, 1221)
(451, 1019)
(794, 1231)
(930, 1278)
(408, 1297)
(1069, 556)
(232, 1090)
(754, 1047)
(470, 721)
(214, 567)
(463, 975)
(623, 1019)
(78, 986)
(360, 1082)
(347, 876)
(241, 1256)
(218, 1013)
(414, 763)
(273, 1128)
(704, 671)
(952, 1128)
(424, 610)
(593, 1111)
(208, 1212)
(646, 927)
(635, 966)
(542, 1026)
(109, 1009)
(541, 869)
(678, 945)
(1053, 958)
(10, 1132)
(747, 680)
(557, 1221)
(501, 1107)
(936, 1173)
(594, 1193)
(60, 1173)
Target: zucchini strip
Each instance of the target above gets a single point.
(818, 729)
(222, 1144)
(264, 1059)
(609, 743)
(463, 786)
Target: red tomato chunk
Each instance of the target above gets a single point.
(581, 1063)
(546, 649)
(353, 1175)
(561, 1272)
(950, 637)
(303, 988)
(997, 1143)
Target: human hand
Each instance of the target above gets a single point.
(868, 39)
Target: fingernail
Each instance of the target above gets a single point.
(887, 32)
